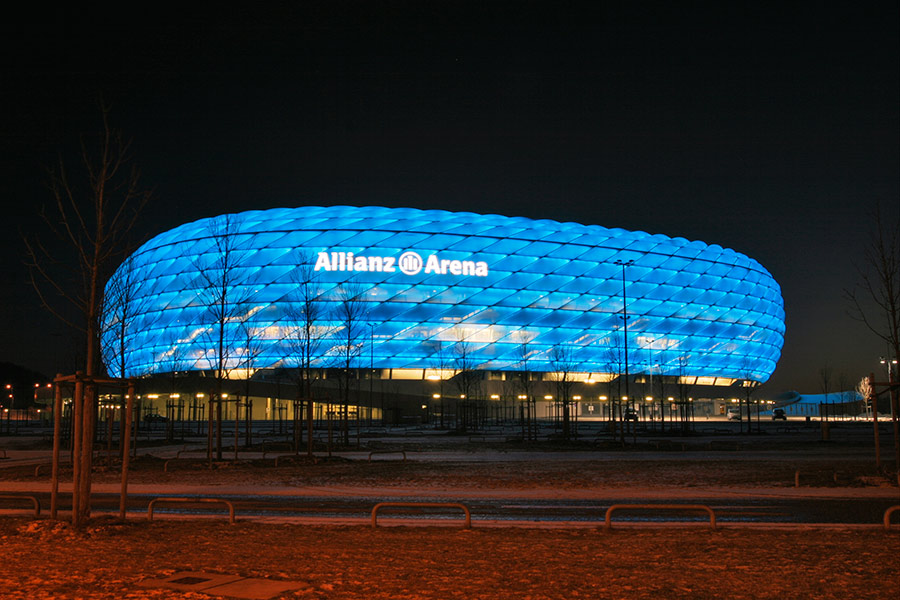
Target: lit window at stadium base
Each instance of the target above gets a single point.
(510, 293)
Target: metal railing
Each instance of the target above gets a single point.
(33, 499)
(459, 505)
(197, 460)
(681, 507)
(887, 515)
(403, 452)
(192, 501)
(315, 459)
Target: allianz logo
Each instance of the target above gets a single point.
(409, 263)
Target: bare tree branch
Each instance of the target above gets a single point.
(875, 300)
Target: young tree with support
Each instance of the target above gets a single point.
(93, 221)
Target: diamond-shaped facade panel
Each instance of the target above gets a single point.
(229, 291)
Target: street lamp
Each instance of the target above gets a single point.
(371, 369)
(624, 264)
(889, 365)
(12, 404)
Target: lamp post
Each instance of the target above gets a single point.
(11, 406)
(440, 399)
(624, 264)
(889, 363)
(522, 415)
(371, 369)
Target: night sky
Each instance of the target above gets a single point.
(771, 131)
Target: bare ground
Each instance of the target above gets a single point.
(45, 559)
(109, 559)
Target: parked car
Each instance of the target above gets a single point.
(733, 414)
(630, 415)
(778, 413)
(155, 419)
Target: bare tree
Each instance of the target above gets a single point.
(248, 355)
(847, 396)
(121, 307)
(562, 361)
(748, 385)
(93, 220)
(466, 380)
(875, 300)
(526, 384)
(225, 302)
(117, 323)
(350, 317)
(749, 389)
(614, 357)
(307, 334)
(438, 351)
(864, 389)
(825, 382)
(660, 383)
(685, 385)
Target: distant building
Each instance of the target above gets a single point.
(834, 404)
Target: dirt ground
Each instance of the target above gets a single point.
(45, 559)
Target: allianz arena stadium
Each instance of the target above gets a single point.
(507, 293)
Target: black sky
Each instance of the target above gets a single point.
(771, 131)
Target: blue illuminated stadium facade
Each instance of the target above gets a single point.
(509, 291)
